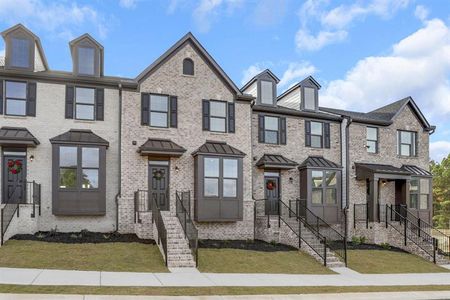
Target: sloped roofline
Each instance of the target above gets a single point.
(253, 79)
(189, 38)
(85, 36)
(410, 101)
(37, 40)
(297, 85)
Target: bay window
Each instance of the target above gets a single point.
(419, 189)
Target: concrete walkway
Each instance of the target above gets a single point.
(346, 277)
(343, 296)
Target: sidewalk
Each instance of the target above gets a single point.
(344, 296)
(346, 277)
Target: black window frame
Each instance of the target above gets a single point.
(303, 96)
(419, 193)
(188, 67)
(94, 105)
(271, 130)
(413, 151)
(322, 135)
(15, 99)
(219, 117)
(324, 187)
(221, 177)
(369, 140)
(158, 111)
(79, 61)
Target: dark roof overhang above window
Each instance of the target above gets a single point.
(79, 137)
(274, 161)
(17, 136)
(416, 171)
(161, 147)
(318, 162)
(380, 171)
(218, 148)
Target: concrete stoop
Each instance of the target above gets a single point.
(179, 254)
(144, 229)
(284, 235)
(22, 224)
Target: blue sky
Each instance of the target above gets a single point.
(365, 54)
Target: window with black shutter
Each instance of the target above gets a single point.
(218, 116)
(272, 130)
(317, 134)
(159, 110)
(19, 98)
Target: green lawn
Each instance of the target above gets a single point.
(248, 261)
(126, 257)
(381, 261)
(197, 291)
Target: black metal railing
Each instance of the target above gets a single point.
(361, 214)
(33, 196)
(443, 240)
(410, 231)
(335, 236)
(157, 221)
(7, 213)
(142, 204)
(183, 211)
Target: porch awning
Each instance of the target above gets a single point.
(379, 171)
(318, 162)
(416, 171)
(218, 148)
(161, 147)
(274, 161)
(17, 136)
(79, 136)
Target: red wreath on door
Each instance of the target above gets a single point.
(14, 166)
(270, 185)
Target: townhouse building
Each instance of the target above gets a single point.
(180, 153)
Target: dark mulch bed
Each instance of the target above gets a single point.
(81, 237)
(364, 246)
(255, 245)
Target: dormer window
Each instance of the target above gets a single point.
(310, 98)
(267, 92)
(20, 52)
(188, 67)
(87, 56)
(86, 61)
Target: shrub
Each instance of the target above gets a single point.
(385, 246)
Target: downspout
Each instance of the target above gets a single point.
(347, 162)
(119, 191)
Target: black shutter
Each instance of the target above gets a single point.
(145, 109)
(1, 97)
(326, 135)
(231, 118)
(173, 111)
(205, 109)
(31, 99)
(69, 101)
(261, 129)
(308, 133)
(282, 131)
(100, 104)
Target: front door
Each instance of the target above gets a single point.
(272, 192)
(159, 185)
(14, 179)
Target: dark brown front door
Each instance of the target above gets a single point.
(272, 192)
(159, 185)
(14, 179)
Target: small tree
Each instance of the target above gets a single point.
(441, 192)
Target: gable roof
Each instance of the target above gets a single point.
(384, 115)
(189, 38)
(88, 37)
(254, 78)
(299, 84)
(37, 41)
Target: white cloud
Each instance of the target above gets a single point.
(55, 17)
(128, 3)
(439, 150)
(421, 12)
(296, 72)
(334, 23)
(418, 66)
(305, 40)
(269, 12)
(253, 70)
(207, 12)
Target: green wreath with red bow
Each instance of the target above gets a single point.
(14, 166)
(271, 184)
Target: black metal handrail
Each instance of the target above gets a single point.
(33, 196)
(295, 222)
(7, 213)
(443, 240)
(142, 203)
(335, 240)
(157, 220)
(183, 211)
(410, 231)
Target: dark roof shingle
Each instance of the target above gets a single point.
(218, 148)
(17, 136)
(275, 161)
(318, 162)
(162, 147)
(79, 136)
(415, 170)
